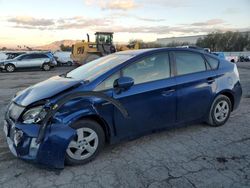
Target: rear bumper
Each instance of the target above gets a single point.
(237, 91)
(21, 139)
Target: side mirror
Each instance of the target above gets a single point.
(123, 84)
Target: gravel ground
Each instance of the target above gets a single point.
(193, 156)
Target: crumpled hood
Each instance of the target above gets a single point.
(44, 90)
(7, 61)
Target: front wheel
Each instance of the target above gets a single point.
(87, 143)
(69, 63)
(10, 68)
(220, 111)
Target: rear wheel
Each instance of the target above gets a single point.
(46, 67)
(87, 143)
(10, 68)
(220, 111)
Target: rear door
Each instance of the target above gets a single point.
(40, 59)
(35, 60)
(195, 85)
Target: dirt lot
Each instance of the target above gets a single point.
(193, 156)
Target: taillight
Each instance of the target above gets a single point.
(236, 71)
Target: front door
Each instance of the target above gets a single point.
(151, 101)
(25, 61)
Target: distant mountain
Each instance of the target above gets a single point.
(54, 46)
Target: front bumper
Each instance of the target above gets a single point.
(21, 139)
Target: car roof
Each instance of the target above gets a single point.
(149, 50)
(134, 52)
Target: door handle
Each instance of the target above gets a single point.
(167, 92)
(210, 80)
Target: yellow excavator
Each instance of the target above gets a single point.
(86, 51)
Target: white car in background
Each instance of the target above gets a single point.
(45, 61)
(63, 58)
(3, 56)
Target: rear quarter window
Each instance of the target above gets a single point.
(214, 63)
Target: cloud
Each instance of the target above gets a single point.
(166, 3)
(77, 22)
(149, 19)
(119, 5)
(31, 21)
(110, 24)
(231, 11)
(82, 23)
(163, 29)
(120, 15)
(209, 22)
(113, 4)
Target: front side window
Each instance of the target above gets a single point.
(20, 57)
(108, 83)
(155, 67)
(188, 62)
(26, 57)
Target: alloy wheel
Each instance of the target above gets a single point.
(84, 145)
(46, 67)
(10, 68)
(221, 111)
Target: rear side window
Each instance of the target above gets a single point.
(213, 62)
(42, 56)
(34, 56)
(188, 62)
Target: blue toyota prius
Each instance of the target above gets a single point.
(69, 118)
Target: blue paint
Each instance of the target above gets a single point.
(151, 106)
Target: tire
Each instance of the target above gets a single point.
(69, 63)
(91, 57)
(219, 111)
(85, 148)
(10, 68)
(112, 49)
(46, 67)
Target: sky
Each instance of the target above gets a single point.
(36, 22)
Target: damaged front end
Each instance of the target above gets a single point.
(40, 139)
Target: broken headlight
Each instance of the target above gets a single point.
(34, 115)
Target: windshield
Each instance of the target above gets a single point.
(19, 56)
(96, 68)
